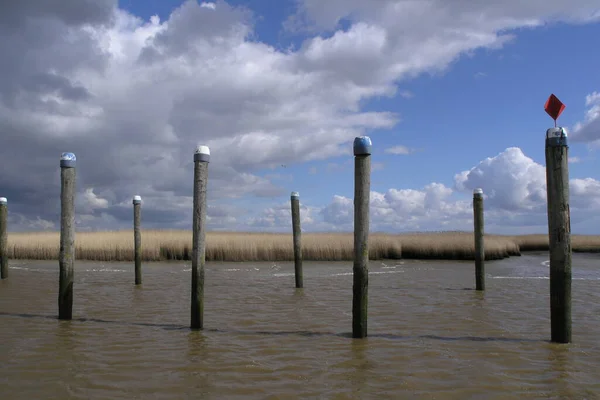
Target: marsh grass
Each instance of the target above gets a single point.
(158, 245)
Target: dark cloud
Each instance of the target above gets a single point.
(13, 14)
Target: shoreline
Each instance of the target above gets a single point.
(173, 245)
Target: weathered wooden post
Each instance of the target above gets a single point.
(297, 238)
(559, 224)
(362, 187)
(201, 160)
(559, 231)
(479, 244)
(66, 257)
(3, 238)
(137, 239)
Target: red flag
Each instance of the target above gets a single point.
(554, 107)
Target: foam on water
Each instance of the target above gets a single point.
(370, 273)
(29, 269)
(542, 277)
(104, 270)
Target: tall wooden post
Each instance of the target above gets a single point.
(297, 232)
(3, 238)
(137, 239)
(362, 187)
(201, 160)
(479, 244)
(559, 233)
(66, 257)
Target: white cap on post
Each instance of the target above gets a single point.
(478, 191)
(295, 195)
(3, 200)
(137, 199)
(202, 154)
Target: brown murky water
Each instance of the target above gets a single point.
(428, 337)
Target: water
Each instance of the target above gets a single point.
(429, 336)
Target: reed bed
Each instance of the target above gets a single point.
(162, 245)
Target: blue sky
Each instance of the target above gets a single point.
(466, 99)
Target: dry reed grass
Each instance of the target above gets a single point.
(158, 245)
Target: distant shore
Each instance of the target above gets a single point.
(163, 245)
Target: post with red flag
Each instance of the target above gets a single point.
(559, 225)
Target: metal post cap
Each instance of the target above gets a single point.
(202, 153)
(295, 195)
(478, 191)
(362, 146)
(68, 160)
(137, 199)
(556, 136)
(3, 200)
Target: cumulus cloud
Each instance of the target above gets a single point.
(403, 210)
(589, 129)
(514, 188)
(132, 98)
(399, 150)
(511, 181)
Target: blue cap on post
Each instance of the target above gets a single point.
(362, 146)
(137, 200)
(3, 201)
(202, 154)
(295, 195)
(556, 137)
(68, 160)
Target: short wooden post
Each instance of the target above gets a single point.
(137, 239)
(362, 187)
(3, 238)
(201, 160)
(479, 244)
(559, 233)
(66, 257)
(297, 238)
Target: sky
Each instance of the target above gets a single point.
(450, 92)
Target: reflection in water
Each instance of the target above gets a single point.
(263, 337)
(560, 366)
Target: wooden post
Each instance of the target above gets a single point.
(362, 187)
(201, 160)
(3, 238)
(66, 257)
(559, 233)
(137, 239)
(479, 245)
(297, 238)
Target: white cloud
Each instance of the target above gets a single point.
(589, 129)
(399, 150)
(514, 190)
(93, 201)
(511, 181)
